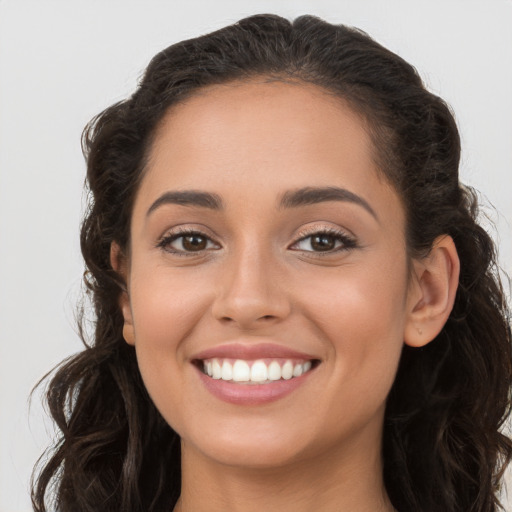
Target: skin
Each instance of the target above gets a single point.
(260, 279)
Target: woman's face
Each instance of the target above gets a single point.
(264, 243)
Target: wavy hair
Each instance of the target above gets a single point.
(443, 449)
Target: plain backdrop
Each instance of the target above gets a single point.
(62, 62)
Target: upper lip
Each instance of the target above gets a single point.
(251, 352)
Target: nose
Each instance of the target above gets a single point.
(251, 291)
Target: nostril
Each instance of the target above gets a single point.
(250, 311)
(264, 317)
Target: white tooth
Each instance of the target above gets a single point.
(208, 368)
(307, 366)
(241, 371)
(287, 370)
(227, 371)
(259, 372)
(297, 371)
(216, 369)
(274, 371)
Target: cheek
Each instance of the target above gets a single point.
(165, 306)
(359, 298)
(361, 315)
(363, 329)
(165, 312)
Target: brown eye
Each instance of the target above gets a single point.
(194, 243)
(187, 242)
(323, 242)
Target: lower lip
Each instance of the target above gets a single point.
(251, 394)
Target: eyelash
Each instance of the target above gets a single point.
(347, 241)
(166, 240)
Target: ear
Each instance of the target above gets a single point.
(120, 265)
(432, 292)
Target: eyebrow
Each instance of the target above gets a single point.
(314, 195)
(188, 198)
(290, 199)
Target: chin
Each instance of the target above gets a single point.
(251, 456)
(256, 448)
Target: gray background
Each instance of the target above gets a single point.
(61, 62)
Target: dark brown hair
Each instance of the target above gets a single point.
(442, 446)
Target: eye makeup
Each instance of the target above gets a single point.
(317, 240)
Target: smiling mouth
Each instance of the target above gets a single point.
(259, 371)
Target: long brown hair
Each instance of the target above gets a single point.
(442, 445)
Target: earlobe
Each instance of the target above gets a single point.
(432, 292)
(119, 264)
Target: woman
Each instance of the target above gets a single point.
(295, 306)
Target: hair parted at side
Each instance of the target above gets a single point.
(442, 446)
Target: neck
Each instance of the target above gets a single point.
(338, 481)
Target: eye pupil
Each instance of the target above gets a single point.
(323, 242)
(194, 243)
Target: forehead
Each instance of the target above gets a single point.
(278, 116)
(260, 134)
